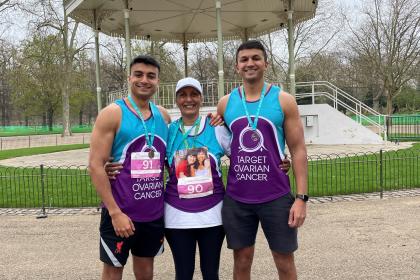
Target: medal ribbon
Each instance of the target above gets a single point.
(253, 124)
(185, 134)
(151, 137)
(184, 137)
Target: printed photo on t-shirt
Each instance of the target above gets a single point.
(193, 171)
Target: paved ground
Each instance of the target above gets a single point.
(80, 157)
(360, 237)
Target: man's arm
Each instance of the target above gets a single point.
(295, 140)
(165, 114)
(106, 126)
(221, 106)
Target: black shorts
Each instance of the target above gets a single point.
(147, 241)
(241, 220)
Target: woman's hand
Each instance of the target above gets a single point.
(286, 164)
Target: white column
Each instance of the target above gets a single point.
(97, 63)
(185, 46)
(245, 36)
(219, 49)
(290, 29)
(127, 36)
(98, 72)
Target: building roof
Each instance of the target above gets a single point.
(190, 20)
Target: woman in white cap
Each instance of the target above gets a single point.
(193, 204)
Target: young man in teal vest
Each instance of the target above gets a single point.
(262, 119)
(134, 132)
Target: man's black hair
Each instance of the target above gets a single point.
(251, 44)
(145, 59)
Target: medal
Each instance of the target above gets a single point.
(151, 154)
(255, 136)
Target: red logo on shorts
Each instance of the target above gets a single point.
(119, 247)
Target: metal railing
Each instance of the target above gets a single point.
(325, 91)
(165, 95)
(316, 91)
(43, 187)
(329, 175)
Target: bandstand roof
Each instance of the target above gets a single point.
(189, 20)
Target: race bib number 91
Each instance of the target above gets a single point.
(142, 166)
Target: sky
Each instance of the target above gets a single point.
(16, 30)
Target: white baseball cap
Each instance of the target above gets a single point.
(189, 82)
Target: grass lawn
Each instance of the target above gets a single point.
(39, 130)
(362, 173)
(22, 187)
(39, 150)
(64, 187)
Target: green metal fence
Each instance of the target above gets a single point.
(329, 175)
(403, 128)
(51, 186)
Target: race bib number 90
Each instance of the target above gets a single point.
(142, 166)
(195, 187)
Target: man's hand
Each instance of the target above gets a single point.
(122, 224)
(297, 213)
(112, 169)
(215, 119)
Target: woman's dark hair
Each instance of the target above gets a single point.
(200, 150)
(190, 165)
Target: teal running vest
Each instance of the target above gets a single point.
(139, 198)
(254, 173)
(206, 138)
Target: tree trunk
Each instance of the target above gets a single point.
(66, 110)
(376, 105)
(89, 117)
(389, 108)
(81, 117)
(50, 117)
(44, 119)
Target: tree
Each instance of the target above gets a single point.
(36, 83)
(311, 38)
(82, 101)
(113, 65)
(408, 101)
(389, 42)
(52, 16)
(204, 64)
(7, 60)
(7, 4)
